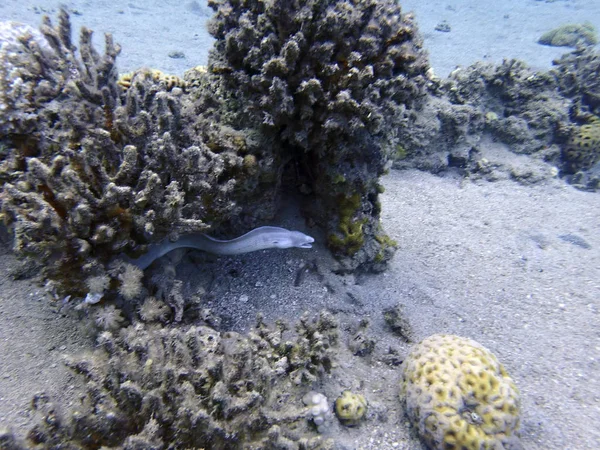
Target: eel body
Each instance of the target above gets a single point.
(258, 239)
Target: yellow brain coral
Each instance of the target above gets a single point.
(459, 396)
(583, 149)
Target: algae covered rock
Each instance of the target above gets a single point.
(459, 396)
(570, 35)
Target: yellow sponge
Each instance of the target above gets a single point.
(459, 396)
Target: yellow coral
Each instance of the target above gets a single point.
(459, 396)
(583, 149)
(350, 227)
(350, 408)
(126, 79)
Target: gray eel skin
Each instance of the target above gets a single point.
(260, 238)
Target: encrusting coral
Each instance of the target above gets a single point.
(570, 35)
(458, 396)
(192, 387)
(583, 148)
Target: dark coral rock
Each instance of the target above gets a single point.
(577, 77)
(506, 103)
(582, 151)
(398, 323)
(328, 82)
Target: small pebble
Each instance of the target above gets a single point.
(176, 54)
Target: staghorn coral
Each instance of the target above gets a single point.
(457, 395)
(187, 387)
(311, 355)
(328, 82)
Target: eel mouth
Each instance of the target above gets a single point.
(308, 243)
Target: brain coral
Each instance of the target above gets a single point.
(459, 396)
(583, 149)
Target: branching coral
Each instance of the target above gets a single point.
(91, 171)
(330, 81)
(192, 387)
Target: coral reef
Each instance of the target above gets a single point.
(457, 395)
(350, 408)
(330, 88)
(570, 35)
(92, 171)
(506, 104)
(193, 387)
(93, 166)
(484, 111)
(577, 77)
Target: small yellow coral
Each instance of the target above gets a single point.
(350, 408)
(459, 396)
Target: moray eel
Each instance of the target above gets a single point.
(258, 239)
